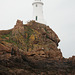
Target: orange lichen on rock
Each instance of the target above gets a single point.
(32, 49)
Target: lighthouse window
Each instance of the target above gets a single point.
(36, 18)
(36, 5)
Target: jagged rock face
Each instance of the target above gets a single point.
(18, 28)
(31, 49)
(36, 39)
(32, 39)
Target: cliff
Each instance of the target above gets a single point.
(32, 49)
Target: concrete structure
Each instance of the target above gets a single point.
(38, 11)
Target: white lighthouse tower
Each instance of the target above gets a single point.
(38, 11)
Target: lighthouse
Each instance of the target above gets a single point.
(38, 11)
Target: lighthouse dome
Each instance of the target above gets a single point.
(37, 1)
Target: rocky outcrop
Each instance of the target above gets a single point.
(4, 32)
(36, 39)
(19, 28)
(33, 39)
(32, 49)
(26, 65)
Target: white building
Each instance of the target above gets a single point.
(38, 11)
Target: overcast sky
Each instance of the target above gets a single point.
(59, 15)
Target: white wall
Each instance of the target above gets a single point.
(38, 11)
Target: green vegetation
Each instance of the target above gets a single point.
(7, 38)
(32, 46)
(10, 41)
(28, 32)
(46, 30)
(47, 36)
(4, 36)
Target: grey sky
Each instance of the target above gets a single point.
(59, 15)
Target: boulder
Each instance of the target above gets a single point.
(18, 28)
